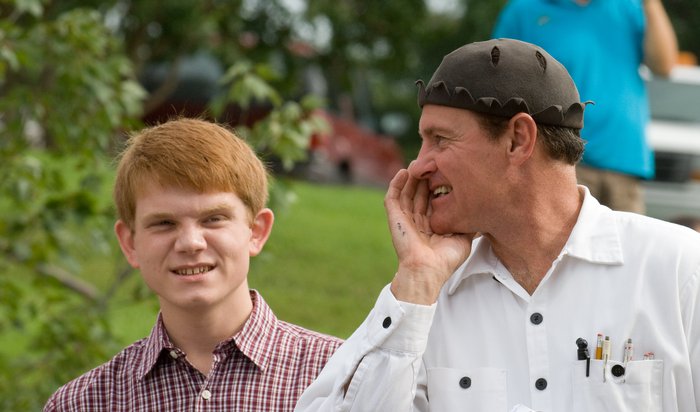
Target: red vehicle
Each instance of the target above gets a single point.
(351, 153)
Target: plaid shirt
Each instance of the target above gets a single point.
(264, 367)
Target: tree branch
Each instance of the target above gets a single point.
(68, 280)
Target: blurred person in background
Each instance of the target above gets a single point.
(602, 43)
(191, 198)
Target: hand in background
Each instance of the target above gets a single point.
(660, 43)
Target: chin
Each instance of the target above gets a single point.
(441, 227)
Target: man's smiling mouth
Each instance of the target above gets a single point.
(441, 190)
(193, 271)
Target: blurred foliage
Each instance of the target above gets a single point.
(71, 75)
(685, 16)
(286, 131)
(66, 89)
(69, 90)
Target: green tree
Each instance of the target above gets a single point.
(66, 88)
(379, 49)
(69, 91)
(685, 16)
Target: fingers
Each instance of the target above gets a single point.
(396, 186)
(408, 194)
(392, 204)
(407, 204)
(421, 198)
(399, 204)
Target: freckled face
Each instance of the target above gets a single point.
(463, 168)
(193, 249)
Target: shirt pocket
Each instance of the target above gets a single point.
(639, 389)
(480, 389)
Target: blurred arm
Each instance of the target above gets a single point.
(660, 43)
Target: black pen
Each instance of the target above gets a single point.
(583, 353)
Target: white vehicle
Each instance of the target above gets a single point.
(674, 133)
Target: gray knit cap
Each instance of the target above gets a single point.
(503, 77)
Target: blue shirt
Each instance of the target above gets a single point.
(601, 45)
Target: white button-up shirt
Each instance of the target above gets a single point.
(487, 345)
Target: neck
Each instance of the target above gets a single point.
(539, 228)
(198, 332)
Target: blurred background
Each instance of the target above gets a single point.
(324, 90)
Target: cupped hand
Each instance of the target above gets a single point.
(426, 259)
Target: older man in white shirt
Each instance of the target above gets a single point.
(508, 270)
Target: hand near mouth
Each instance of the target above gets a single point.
(426, 259)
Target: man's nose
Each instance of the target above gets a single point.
(422, 167)
(190, 239)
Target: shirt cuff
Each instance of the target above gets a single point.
(400, 326)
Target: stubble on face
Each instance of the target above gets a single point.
(465, 166)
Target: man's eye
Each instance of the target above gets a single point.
(162, 223)
(215, 219)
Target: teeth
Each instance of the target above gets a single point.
(441, 190)
(193, 271)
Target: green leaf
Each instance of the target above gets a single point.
(33, 7)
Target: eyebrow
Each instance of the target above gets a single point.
(436, 130)
(218, 209)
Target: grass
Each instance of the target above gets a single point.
(328, 257)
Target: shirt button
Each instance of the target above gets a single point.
(465, 382)
(541, 384)
(536, 318)
(617, 370)
(206, 395)
(387, 322)
(173, 354)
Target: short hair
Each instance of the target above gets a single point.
(692, 222)
(560, 142)
(192, 154)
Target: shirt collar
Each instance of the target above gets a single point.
(596, 235)
(253, 340)
(153, 345)
(256, 339)
(594, 238)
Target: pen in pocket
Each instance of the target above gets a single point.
(599, 347)
(627, 356)
(583, 353)
(606, 356)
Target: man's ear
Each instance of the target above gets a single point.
(261, 228)
(523, 139)
(126, 242)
